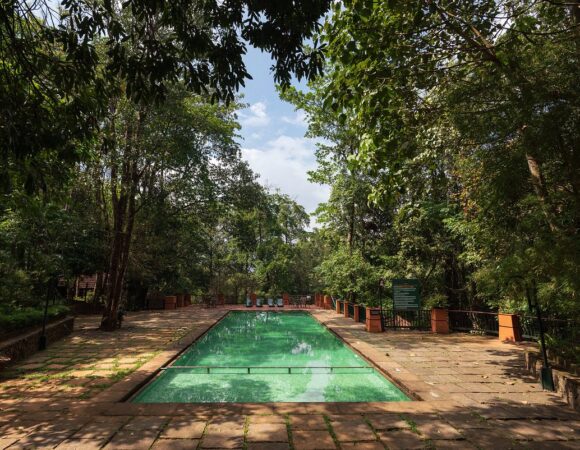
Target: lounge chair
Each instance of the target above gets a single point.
(259, 303)
(280, 303)
(248, 302)
(270, 303)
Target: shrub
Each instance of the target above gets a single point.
(14, 319)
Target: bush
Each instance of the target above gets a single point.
(14, 319)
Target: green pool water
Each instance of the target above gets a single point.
(269, 356)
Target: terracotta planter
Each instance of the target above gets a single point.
(170, 302)
(440, 321)
(180, 303)
(509, 328)
(373, 320)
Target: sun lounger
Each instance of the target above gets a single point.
(270, 303)
(280, 303)
(259, 303)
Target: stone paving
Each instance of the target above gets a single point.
(475, 394)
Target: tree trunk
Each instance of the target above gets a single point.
(540, 189)
(123, 193)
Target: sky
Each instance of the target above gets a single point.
(272, 137)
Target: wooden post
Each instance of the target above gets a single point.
(440, 321)
(338, 307)
(345, 309)
(509, 328)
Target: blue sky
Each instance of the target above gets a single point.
(273, 139)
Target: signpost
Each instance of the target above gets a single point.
(406, 294)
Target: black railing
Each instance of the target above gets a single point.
(412, 319)
(341, 307)
(362, 314)
(556, 328)
(350, 310)
(474, 321)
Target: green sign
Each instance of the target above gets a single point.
(406, 294)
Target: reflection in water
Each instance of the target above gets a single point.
(302, 347)
(271, 344)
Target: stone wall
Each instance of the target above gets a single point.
(20, 347)
(566, 384)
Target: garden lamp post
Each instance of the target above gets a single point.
(546, 376)
(381, 286)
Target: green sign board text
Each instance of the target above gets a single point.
(406, 294)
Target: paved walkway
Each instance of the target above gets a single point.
(475, 394)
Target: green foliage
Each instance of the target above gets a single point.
(18, 319)
(450, 141)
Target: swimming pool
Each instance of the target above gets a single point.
(269, 356)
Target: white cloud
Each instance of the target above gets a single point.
(283, 163)
(256, 116)
(299, 119)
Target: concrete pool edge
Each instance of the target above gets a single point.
(410, 384)
(399, 384)
(129, 386)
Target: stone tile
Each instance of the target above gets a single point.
(6, 442)
(538, 430)
(222, 441)
(81, 444)
(268, 446)
(145, 423)
(459, 445)
(40, 440)
(267, 432)
(175, 444)
(551, 445)
(312, 440)
(437, 429)
(97, 431)
(179, 428)
(387, 421)
(374, 445)
(493, 439)
(308, 422)
(228, 428)
(353, 431)
(132, 439)
(401, 439)
(271, 418)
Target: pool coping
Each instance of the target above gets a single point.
(397, 383)
(125, 390)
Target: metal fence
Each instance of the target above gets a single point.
(477, 321)
(350, 310)
(362, 314)
(557, 328)
(412, 319)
